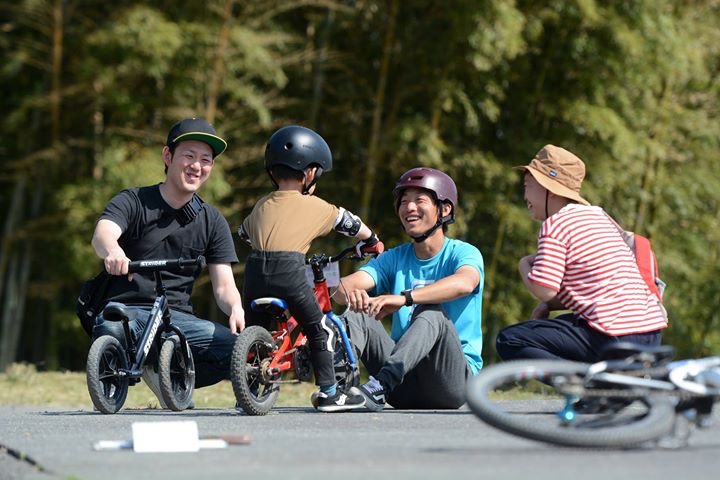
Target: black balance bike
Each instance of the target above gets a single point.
(112, 367)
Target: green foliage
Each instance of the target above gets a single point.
(470, 87)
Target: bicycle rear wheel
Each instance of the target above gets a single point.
(254, 391)
(177, 377)
(625, 426)
(108, 388)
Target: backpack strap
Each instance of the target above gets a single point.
(644, 259)
(183, 216)
(647, 263)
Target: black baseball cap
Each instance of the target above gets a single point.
(196, 129)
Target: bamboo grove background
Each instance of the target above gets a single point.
(472, 87)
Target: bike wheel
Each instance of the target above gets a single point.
(177, 377)
(627, 426)
(254, 391)
(107, 387)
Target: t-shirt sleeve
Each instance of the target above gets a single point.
(221, 248)
(379, 269)
(468, 254)
(549, 267)
(328, 214)
(121, 209)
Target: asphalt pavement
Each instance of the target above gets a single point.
(299, 443)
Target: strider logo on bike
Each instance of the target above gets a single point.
(155, 325)
(152, 263)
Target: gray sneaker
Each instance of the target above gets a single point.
(374, 394)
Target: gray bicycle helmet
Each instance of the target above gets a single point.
(440, 184)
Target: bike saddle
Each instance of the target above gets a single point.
(114, 312)
(622, 350)
(273, 306)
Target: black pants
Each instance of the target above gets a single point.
(282, 275)
(566, 337)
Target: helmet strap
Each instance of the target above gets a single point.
(425, 235)
(316, 177)
(272, 179)
(441, 220)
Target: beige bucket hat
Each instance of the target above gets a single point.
(559, 171)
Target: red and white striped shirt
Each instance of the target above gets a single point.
(582, 256)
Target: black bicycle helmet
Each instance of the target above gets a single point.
(298, 148)
(440, 184)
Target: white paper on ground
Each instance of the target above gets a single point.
(165, 436)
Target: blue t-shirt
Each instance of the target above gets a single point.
(399, 269)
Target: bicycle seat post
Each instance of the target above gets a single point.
(159, 286)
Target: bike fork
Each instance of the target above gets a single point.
(344, 336)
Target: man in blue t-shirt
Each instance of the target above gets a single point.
(433, 289)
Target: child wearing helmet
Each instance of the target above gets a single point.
(280, 229)
(433, 288)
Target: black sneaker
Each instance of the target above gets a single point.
(374, 394)
(340, 402)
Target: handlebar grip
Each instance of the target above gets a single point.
(375, 249)
(177, 265)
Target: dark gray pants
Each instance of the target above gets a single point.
(426, 368)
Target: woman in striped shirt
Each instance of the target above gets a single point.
(582, 265)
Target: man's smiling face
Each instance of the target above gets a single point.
(417, 210)
(189, 166)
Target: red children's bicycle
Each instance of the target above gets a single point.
(261, 357)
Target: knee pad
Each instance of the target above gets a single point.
(321, 336)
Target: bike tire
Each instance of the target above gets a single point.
(177, 377)
(613, 430)
(253, 349)
(107, 387)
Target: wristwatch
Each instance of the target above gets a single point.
(408, 297)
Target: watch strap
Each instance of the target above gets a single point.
(408, 297)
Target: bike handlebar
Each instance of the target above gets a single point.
(176, 265)
(351, 254)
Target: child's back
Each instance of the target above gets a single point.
(280, 229)
(287, 220)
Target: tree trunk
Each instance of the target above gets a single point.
(373, 148)
(98, 129)
(57, 52)
(8, 270)
(319, 73)
(219, 66)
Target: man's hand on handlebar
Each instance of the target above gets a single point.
(116, 263)
(370, 246)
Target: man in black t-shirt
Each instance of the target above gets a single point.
(134, 214)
